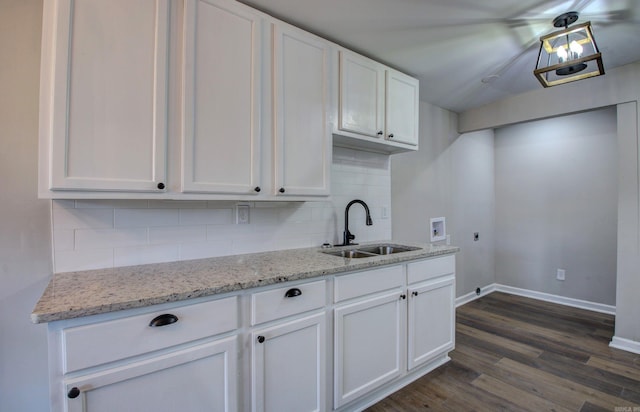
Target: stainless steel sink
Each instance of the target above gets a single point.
(370, 251)
(387, 249)
(351, 254)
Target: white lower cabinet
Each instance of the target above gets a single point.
(431, 317)
(180, 357)
(199, 378)
(369, 345)
(289, 366)
(288, 349)
(294, 347)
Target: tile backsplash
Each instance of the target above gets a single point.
(93, 234)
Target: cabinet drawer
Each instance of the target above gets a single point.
(286, 301)
(95, 344)
(370, 281)
(430, 268)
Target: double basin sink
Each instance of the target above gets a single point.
(370, 251)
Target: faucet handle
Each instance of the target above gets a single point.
(350, 236)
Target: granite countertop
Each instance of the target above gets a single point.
(76, 294)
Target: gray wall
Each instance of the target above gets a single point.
(556, 205)
(450, 176)
(25, 255)
(621, 87)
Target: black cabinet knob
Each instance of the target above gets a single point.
(73, 393)
(260, 339)
(257, 189)
(292, 293)
(163, 320)
(414, 293)
(281, 190)
(161, 186)
(390, 135)
(403, 296)
(380, 133)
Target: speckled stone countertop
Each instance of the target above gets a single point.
(76, 294)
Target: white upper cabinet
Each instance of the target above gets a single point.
(401, 111)
(378, 106)
(361, 95)
(104, 82)
(222, 68)
(302, 152)
(204, 99)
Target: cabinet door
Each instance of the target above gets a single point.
(222, 66)
(361, 95)
(431, 328)
(201, 378)
(302, 131)
(369, 345)
(104, 97)
(402, 108)
(289, 366)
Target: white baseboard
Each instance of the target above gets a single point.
(625, 344)
(561, 300)
(471, 296)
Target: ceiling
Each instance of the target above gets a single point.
(452, 45)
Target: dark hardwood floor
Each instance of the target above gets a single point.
(519, 354)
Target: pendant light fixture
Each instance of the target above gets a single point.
(568, 55)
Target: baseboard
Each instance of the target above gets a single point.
(471, 296)
(625, 344)
(561, 300)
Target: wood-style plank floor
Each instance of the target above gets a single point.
(519, 354)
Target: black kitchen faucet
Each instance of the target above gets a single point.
(347, 236)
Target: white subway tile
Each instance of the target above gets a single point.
(264, 216)
(87, 239)
(63, 239)
(206, 216)
(177, 204)
(140, 255)
(112, 204)
(289, 215)
(74, 260)
(146, 217)
(205, 250)
(63, 204)
(82, 218)
(177, 234)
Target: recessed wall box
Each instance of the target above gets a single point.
(438, 229)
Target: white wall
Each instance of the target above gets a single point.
(450, 176)
(25, 254)
(556, 205)
(92, 234)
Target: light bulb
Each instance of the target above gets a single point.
(562, 54)
(576, 48)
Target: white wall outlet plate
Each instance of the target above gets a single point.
(242, 214)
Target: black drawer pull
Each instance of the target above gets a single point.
(292, 293)
(414, 293)
(163, 320)
(73, 393)
(260, 339)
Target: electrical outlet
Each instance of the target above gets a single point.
(560, 274)
(385, 213)
(242, 214)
